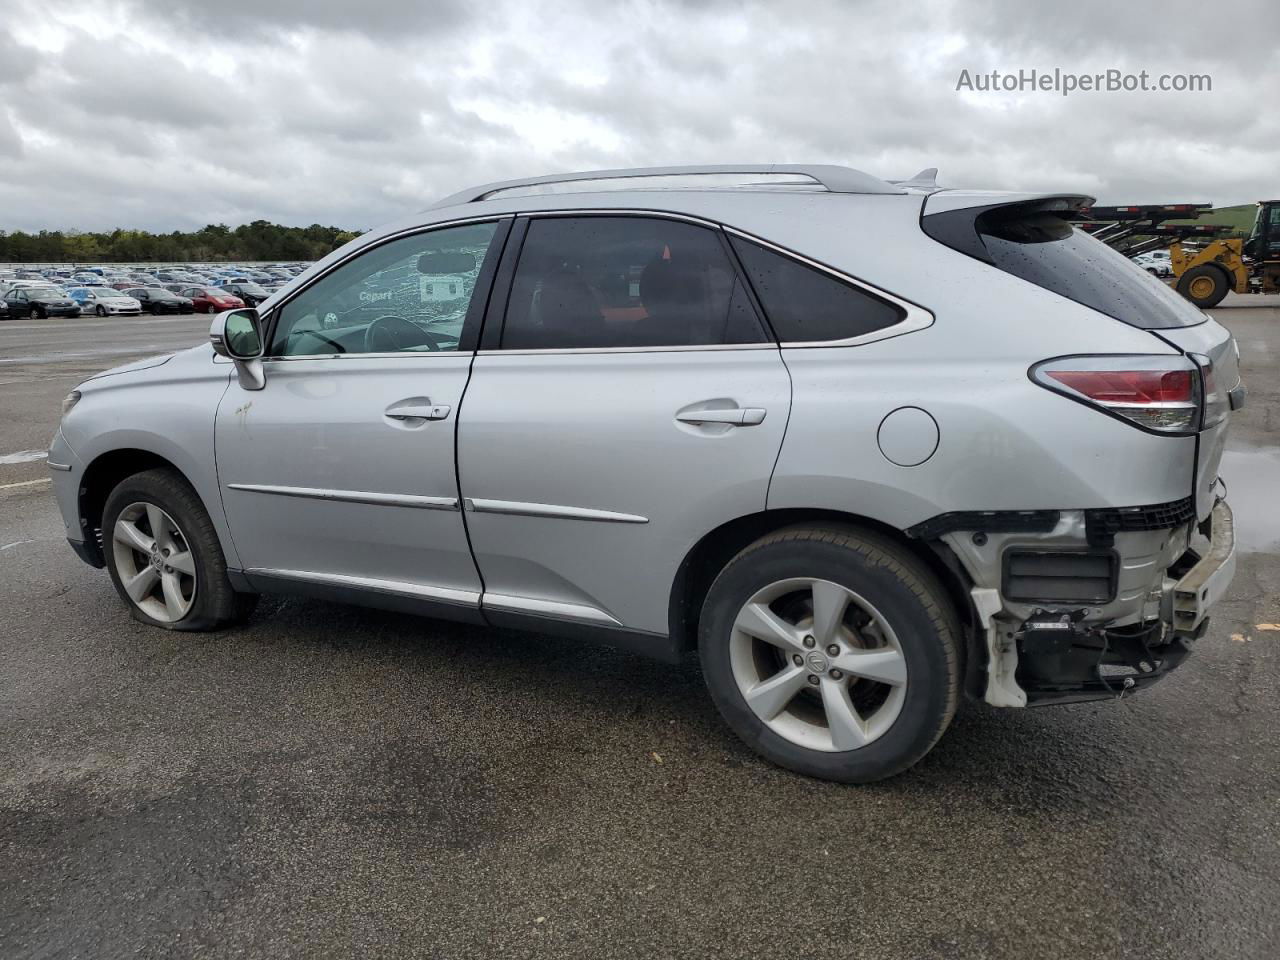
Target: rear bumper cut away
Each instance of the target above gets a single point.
(1059, 656)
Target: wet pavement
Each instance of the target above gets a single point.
(331, 781)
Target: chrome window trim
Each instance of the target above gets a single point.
(401, 354)
(916, 317)
(552, 510)
(398, 235)
(577, 350)
(351, 496)
(399, 588)
(547, 608)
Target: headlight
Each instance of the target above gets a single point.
(69, 401)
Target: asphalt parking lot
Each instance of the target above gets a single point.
(332, 781)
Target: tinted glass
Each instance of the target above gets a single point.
(806, 305)
(384, 302)
(625, 282)
(1046, 250)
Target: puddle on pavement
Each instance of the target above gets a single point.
(1252, 477)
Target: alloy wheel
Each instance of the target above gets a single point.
(154, 562)
(818, 664)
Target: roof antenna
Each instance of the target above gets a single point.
(926, 179)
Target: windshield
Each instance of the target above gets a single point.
(252, 289)
(44, 293)
(1044, 249)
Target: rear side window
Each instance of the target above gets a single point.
(625, 283)
(806, 305)
(1044, 249)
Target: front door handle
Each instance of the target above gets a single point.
(418, 409)
(735, 416)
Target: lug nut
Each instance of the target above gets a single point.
(813, 680)
(809, 641)
(798, 660)
(836, 675)
(833, 650)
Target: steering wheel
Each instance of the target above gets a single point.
(391, 334)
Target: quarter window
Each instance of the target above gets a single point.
(625, 282)
(806, 305)
(407, 296)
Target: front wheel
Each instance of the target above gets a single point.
(39, 313)
(100, 311)
(164, 556)
(832, 651)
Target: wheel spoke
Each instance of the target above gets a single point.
(159, 527)
(829, 603)
(174, 602)
(884, 664)
(848, 732)
(128, 534)
(769, 697)
(183, 563)
(141, 584)
(757, 620)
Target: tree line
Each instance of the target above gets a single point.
(260, 240)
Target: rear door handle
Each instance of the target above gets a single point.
(417, 410)
(736, 416)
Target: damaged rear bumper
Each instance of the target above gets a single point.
(1059, 655)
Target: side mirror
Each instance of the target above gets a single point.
(237, 335)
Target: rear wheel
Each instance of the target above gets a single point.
(833, 652)
(1205, 285)
(164, 556)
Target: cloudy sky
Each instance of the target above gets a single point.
(170, 114)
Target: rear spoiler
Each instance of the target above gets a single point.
(957, 226)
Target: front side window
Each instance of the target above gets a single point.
(625, 282)
(807, 305)
(407, 296)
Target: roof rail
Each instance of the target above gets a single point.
(836, 179)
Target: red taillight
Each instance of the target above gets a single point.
(1160, 393)
(1130, 386)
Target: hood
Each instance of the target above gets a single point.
(145, 364)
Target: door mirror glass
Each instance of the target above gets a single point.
(237, 334)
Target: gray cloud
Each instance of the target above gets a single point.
(178, 113)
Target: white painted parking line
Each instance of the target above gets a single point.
(25, 483)
(22, 456)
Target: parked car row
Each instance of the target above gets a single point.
(1155, 262)
(103, 291)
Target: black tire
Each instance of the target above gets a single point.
(215, 603)
(100, 310)
(1211, 277)
(904, 591)
(40, 313)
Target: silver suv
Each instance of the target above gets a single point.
(865, 445)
